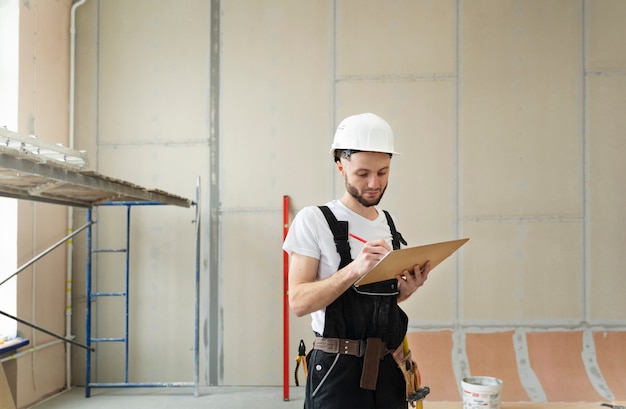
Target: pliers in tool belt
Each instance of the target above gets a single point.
(301, 360)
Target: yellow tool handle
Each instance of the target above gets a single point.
(405, 348)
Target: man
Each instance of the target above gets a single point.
(349, 366)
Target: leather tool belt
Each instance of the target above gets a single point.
(372, 349)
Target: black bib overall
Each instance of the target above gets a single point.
(369, 311)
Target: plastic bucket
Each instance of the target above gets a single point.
(481, 392)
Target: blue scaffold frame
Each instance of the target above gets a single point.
(90, 340)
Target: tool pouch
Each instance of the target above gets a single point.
(408, 367)
(371, 362)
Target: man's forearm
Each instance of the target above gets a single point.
(307, 297)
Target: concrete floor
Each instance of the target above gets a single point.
(227, 398)
(166, 398)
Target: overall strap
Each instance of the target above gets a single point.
(396, 237)
(340, 235)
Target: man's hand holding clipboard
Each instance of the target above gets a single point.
(397, 261)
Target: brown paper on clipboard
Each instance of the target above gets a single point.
(395, 262)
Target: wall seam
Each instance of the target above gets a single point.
(527, 375)
(585, 279)
(333, 90)
(589, 358)
(588, 354)
(98, 83)
(94, 279)
(456, 156)
(460, 362)
(214, 326)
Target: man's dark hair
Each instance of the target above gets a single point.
(346, 153)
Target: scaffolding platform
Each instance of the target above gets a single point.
(31, 169)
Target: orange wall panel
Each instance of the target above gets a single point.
(556, 359)
(433, 353)
(494, 355)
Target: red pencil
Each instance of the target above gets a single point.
(357, 237)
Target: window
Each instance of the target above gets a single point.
(9, 54)
(8, 264)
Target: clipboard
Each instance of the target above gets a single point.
(396, 261)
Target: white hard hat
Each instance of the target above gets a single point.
(364, 132)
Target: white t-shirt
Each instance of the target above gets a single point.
(310, 235)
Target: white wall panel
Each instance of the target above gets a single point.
(607, 233)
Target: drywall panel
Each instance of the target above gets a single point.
(146, 47)
(44, 43)
(520, 108)
(48, 379)
(9, 42)
(421, 194)
(252, 299)
(275, 133)
(606, 145)
(79, 305)
(42, 111)
(41, 297)
(275, 108)
(252, 302)
(606, 31)
(86, 95)
(401, 38)
(171, 168)
(7, 397)
(516, 272)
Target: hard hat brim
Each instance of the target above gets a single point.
(333, 149)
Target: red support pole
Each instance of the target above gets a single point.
(285, 302)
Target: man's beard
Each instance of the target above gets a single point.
(354, 192)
